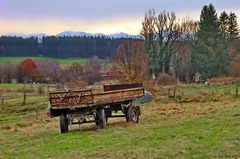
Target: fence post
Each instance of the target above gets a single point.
(24, 98)
(2, 103)
(237, 89)
(47, 89)
(37, 111)
(174, 92)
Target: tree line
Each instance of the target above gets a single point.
(59, 47)
(184, 47)
(30, 71)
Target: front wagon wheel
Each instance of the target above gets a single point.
(63, 123)
(132, 114)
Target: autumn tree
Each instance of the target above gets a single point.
(131, 60)
(160, 32)
(29, 69)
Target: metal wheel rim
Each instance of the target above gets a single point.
(134, 115)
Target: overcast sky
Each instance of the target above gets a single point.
(94, 16)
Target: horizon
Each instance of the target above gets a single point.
(45, 34)
(107, 17)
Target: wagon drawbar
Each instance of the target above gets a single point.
(84, 106)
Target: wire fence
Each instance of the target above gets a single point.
(32, 93)
(22, 94)
(188, 91)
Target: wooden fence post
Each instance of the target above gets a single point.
(47, 89)
(174, 92)
(37, 111)
(24, 98)
(237, 89)
(2, 103)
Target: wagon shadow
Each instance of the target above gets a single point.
(94, 128)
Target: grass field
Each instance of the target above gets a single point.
(61, 61)
(203, 123)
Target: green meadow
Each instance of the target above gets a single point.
(61, 61)
(203, 123)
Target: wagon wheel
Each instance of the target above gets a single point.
(132, 114)
(102, 122)
(96, 118)
(63, 123)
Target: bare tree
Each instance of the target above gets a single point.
(94, 64)
(131, 60)
(8, 70)
(149, 33)
(180, 61)
(160, 32)
(50, 71)
(76, 71)
(93, 70)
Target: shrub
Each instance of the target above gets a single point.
(166, 80)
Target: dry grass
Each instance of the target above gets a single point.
(195, 106)
(166, 80)
(5, 127)
(168, 128)
(80, 84)
(224, 80)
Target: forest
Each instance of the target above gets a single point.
(59, 47)
(185, 47)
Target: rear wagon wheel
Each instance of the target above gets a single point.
(102, 119)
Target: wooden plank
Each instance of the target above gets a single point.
(121, 86)
(78, 99)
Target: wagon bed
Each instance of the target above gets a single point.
(86, 98)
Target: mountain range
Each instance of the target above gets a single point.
(78, 34)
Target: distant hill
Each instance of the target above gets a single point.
(77, 34)
(38, 35)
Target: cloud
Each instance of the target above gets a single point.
(131, 25)
(107, 16)
(97, 9)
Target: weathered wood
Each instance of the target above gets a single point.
(85, 98)
(121, 86)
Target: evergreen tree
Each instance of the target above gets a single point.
(223, 22)
(210, 55)
(233, 31)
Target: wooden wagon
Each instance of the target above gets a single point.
(84, 106)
